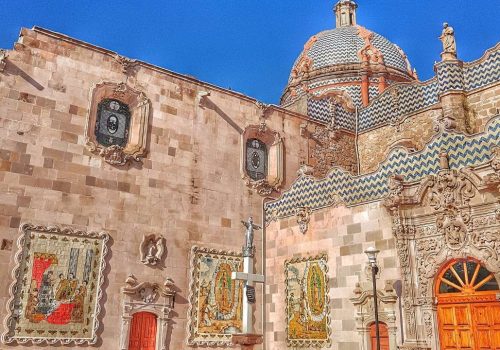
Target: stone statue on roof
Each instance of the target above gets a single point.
(448, 39)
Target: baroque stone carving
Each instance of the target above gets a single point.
(154, 298)
(152, 249)
(493, 180)
(3, 59)
(134, 146)
(303, 215)
(269, 159)
(129, 66)
(452, 223)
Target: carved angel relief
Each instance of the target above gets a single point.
(146, 291)
(152, 249)
(117, 123)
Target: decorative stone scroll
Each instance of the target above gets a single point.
(117, 123)
(262, 159)
(457, 218)
(215, 300)
(155, 298)
(55, 297)
(307, 302)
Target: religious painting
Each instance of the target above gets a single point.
(57, 288)
(307, 302)
(112, 124)
(215, 299)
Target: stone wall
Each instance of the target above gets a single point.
(482, 105)
(188, 187)
(413, 133)
(344, 234)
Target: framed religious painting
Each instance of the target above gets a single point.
(215, 301)
(307, 302)
(117, 123)
(57, 288)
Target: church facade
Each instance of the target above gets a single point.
(123, 187)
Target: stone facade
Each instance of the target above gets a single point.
(359, 154)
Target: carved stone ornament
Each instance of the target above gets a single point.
(117, 133)
(262, 159)
(3, 59)
(303, 215)
(154, 298)
(152, 249)
(457, 218)
(493, 180)
(129, 66)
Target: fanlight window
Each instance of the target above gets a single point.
(112, 123)
(466, 277)
(256, 162)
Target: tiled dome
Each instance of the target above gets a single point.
(341, 46)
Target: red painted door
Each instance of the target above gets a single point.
(384, 336)
(143, 332)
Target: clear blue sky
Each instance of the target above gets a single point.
(250, 45)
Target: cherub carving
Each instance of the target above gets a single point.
(152, 249)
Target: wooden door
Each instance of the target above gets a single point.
(143, 332)
(468, 312)
(384, 336)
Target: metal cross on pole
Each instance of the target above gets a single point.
(248, 277)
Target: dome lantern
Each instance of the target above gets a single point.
(345, 13)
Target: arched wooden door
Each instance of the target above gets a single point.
(384, 336)
(468, 311)
(143, 332)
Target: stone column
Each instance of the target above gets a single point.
(365, 84)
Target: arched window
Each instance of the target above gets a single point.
(466, 276)
(256, 160)
(112, 123)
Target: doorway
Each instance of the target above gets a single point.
(143, 332)
(384, 336)
(468, 310)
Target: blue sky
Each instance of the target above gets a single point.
(250, 46)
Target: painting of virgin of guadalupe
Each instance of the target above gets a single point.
(57, 286)
(307, 310)
(215, 298)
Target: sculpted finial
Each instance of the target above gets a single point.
(449, 45)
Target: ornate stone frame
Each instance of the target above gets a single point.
(13, 302)
(454, 214)
(139, 106)
(147, 297)
(275, 146)
(309, 343)
(193, 302)
(363, 302)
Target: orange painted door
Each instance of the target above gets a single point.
(143, 332)
(456, 327)
(486, 325)
(384, 336)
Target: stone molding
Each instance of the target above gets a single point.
(139, 104)
(147, 297)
